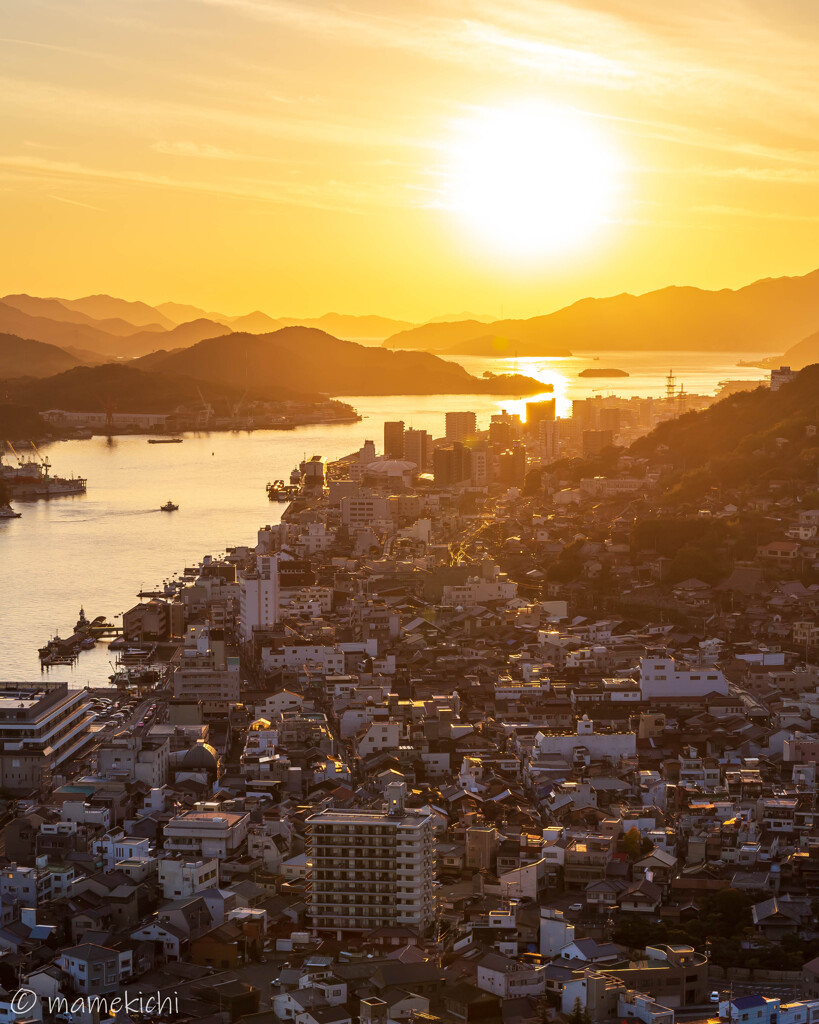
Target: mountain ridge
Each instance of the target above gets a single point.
(763, 316)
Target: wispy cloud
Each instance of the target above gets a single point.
(346, 196)
(195, 149)
(76, 202)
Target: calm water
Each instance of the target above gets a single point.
(98, 550)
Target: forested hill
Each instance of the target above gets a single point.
(744, 441)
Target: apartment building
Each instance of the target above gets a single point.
(42, 725)
(206, 833)
(460, 426)
(137, 758)
(372, 869)
(203, 668)
(183, 876)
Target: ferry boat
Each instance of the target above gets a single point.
(31, 479)
(169, 507)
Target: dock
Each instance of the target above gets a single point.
(61, 651)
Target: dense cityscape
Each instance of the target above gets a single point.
(409, 512)
(459, 738)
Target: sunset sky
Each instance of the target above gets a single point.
(300, 156)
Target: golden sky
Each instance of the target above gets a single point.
(301, 156)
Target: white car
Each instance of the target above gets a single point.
(714, 997)
(575, 908)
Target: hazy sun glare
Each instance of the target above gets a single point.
(531, 179)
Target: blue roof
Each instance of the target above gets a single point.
(746, 1002)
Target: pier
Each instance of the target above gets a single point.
(61, 651)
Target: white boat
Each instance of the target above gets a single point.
(7, 512)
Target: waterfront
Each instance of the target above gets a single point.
(98, 550)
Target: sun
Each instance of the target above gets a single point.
(532, 180)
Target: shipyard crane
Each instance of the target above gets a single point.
(237, 408)
(15, 453)
(205, 413)
(46, 464)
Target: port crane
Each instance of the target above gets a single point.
(45, 463)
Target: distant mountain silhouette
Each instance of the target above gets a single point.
(101, 307)
(86, 336)
(448, 318)
(24, 357)
(300, 359)
(55, 332)
(766, 316)
(178, 337)
(495, 345)
(180, 313)
(254, 323)
(55, 309)
(353, 328)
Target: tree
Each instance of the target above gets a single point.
(579, 1014)
(633, 843)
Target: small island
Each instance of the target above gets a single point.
(594, 371)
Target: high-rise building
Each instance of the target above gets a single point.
(394, 439)
(549, 437)
(451, 464)
(372, 869)
(539, 412)
(418, 449)
(504, 428)
(259, 596)
(460, 426)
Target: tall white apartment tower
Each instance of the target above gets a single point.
(372, 869)
(259, 596)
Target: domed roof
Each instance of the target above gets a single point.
(201, 757)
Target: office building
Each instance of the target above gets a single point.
(394, 439)
(372, 869)
(460, 426)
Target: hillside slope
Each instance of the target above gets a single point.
(24, 357)
(744, 441)
(90, 389)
